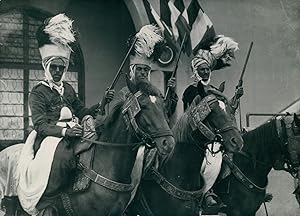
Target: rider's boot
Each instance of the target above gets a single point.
(9, 204)
(212, 203)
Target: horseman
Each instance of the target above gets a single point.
(53, 100)
(219, 55)
(143, 57)
(55, 38)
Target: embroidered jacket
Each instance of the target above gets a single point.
(46, 103)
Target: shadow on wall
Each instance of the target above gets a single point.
(104, 28)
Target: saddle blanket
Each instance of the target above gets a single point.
(34, 171)
(9, 158)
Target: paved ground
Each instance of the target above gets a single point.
(284, 203)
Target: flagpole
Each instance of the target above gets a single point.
(177, 61)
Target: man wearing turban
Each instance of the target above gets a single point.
(219, 55)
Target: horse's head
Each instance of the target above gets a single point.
(288, 129)
(214, 123)
(144, 111)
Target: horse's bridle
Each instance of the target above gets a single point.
(199, 113)
(289, 155)
(290, 159)
(130, 110)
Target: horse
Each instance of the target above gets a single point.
(176, 188)
(275, 144)
(137, 118)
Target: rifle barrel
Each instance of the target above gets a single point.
(117, 76)
(246, 62)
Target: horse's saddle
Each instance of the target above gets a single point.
(84, 150)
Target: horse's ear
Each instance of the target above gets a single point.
(297, 120)
(196, 101)
(222, 87)
(131, 86)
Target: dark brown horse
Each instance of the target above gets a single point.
(275, 144)
(137, 118)
(176, 188)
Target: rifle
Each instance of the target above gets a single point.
(102, 104)
(235, 101)
(177, 61)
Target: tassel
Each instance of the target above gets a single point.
(59, 29)
(147, 38)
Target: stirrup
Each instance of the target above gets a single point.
(213, 209)
(9, 205)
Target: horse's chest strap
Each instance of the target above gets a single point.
(174, 191)
(240, 176)
(67, 204)
(105, 182)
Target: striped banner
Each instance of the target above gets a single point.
(180, 17)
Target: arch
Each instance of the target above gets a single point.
(21, 69)
(138, 12)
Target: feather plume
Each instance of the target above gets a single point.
(222, 45)
(147, 38)
(59, 29)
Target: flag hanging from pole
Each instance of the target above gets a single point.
(180, 17)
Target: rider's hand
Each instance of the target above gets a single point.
(76, 131)
(171, 83)
(239, 92)
(108, 96)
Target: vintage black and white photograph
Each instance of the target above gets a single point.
(149, 107)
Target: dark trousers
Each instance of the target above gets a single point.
(63, 165)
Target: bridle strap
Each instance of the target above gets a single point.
(225, 129)
(241, 177)
(199, 113)
(292, 145)
(173, 190)
(105, 182)
(130, 109)
(134, 145)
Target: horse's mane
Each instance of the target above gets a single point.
(256, 141)
(182, 130)
(114, 111)
(145, 87)
(148, 89)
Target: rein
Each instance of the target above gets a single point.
(174, 191)
(241, 177)
(197, 115)
(134, 145)
(130, 109)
